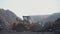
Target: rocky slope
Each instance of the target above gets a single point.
(7, 18)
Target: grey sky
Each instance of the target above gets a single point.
(31, 7)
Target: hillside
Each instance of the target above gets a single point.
(7, 18)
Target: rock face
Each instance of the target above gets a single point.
(38, 18)
(7, 18)
(57, 26)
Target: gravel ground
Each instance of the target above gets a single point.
(26, 33)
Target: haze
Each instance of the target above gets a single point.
(31, 7)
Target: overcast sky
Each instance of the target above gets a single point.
(31, 7)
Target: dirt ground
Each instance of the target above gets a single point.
(26, 33)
